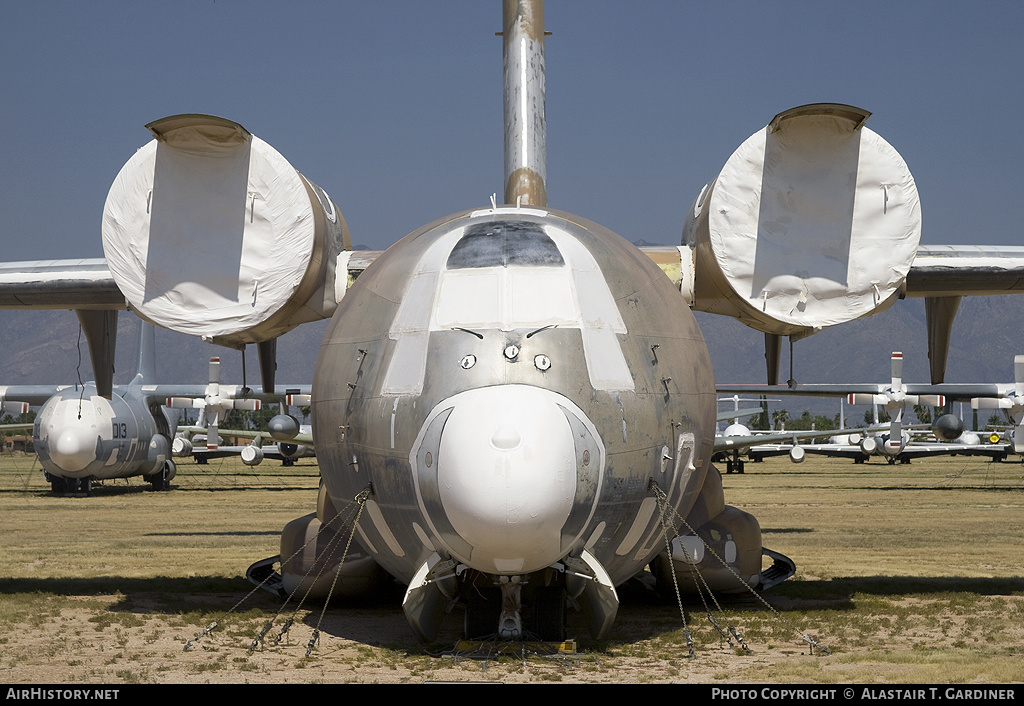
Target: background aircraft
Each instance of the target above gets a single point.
(863, 445)
(515, 339)
(82, 437)
(290, 440)
(951, 435)
(251, 454)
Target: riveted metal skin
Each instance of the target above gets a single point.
(622, 380)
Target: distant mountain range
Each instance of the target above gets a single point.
(44, 347)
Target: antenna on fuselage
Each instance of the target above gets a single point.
(525, 122)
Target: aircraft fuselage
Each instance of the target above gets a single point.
(80, 435)
(510, 383)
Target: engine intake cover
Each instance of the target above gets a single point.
(813, 221)
(209, 231)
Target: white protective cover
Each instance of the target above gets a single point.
(813, 221)
(209, 231)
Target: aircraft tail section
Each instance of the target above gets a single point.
(524, 106)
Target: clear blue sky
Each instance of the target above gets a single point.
(394, 107)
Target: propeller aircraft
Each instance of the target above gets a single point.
(82, 437)
(897, 445)
(290, 440)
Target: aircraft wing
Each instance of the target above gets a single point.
(829, 450)
(31, 395)
(59, 284)
(935, 271)
(951, 270)
(951, 390)
(225, 391)
(732, 414)
(257, 435)
(926, 449)
(269, 452)
(745, 442)
(36, 395)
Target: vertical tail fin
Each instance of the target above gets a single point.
(525, 122)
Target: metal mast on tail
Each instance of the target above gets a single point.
(525, 128)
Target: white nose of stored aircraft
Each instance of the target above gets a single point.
(73, 449)
(501, 470)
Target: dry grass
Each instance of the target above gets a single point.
(906, 574)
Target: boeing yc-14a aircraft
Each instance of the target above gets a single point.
(516, 403)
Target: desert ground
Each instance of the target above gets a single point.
(906, 574)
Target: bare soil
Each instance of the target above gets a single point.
(110, 602)
(143, 637)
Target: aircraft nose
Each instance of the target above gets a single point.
(507, 467)
(73, 449)
(506, 438)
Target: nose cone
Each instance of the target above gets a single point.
(506, 437)
(73, 449)
(514, 469)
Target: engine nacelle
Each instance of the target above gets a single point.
(813, 221)
(948, 427)
(869, 445)
(181, 446)
(209, 231)
(251, 455)
(797, 454)
(890, 448)
(292, 452)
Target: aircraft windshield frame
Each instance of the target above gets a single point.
(498, 285)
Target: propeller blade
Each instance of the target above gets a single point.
(299, 400)
(1018, 437)
(895, 440)
(185, 403)
(213, 388)
(1018, 376)
(247, 405)
(897, 371)
(212, 439)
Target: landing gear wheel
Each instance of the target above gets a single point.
(549, 613)
(58, 485)
(483, 610)
(162, 479)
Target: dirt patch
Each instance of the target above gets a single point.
(114, 639)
